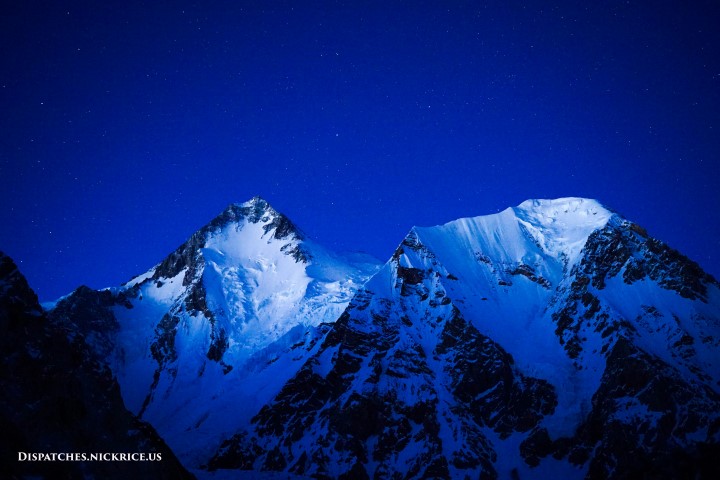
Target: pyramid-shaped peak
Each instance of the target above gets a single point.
(255, 210)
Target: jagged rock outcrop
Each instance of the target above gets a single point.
(56, 397)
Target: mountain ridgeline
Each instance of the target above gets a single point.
(555, 339)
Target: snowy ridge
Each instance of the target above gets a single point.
(552, 339)
(501, 344)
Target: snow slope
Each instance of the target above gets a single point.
(515, 344)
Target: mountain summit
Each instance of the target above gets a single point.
(187, 337)
(255, 211)
(553, 339)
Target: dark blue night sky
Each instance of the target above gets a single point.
(127, 126)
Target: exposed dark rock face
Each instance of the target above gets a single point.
(528, 272)
(484, 381)
(647, 421)
(581, 308)
(626, 248)
(621, 251)
(163, 348)
(90, 312)
(185, 256)
(56, 397)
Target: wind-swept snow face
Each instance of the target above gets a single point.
(536, 232)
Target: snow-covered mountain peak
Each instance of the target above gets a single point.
(235, 230)
(258, 203)
(522, 344)
(531, 233)
(252, 263)
(216, 311)
(256, 210)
